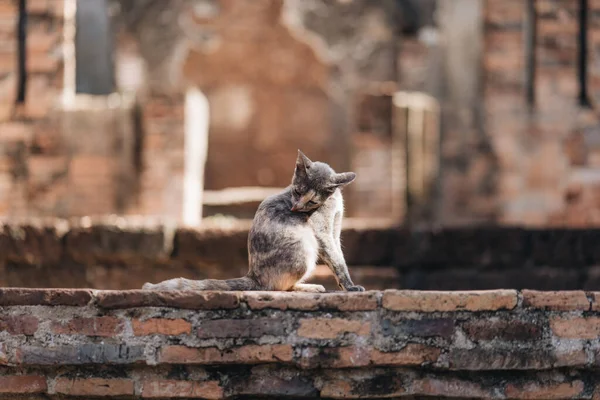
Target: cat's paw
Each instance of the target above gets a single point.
(309, 288)
(356, 288)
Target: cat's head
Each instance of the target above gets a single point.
(314, 182)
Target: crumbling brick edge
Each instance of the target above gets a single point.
(502, 344)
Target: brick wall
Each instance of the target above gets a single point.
(215, 345)
(121, 254)
(546, 155)
(28, 129)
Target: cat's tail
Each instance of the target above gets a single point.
(245, 283)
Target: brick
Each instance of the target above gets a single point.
(38, 6)
(339, 389)
(88, 353)
(186, 300)
(497, 359)
(44, 297)
(249, 354)
(181, 389)
(434, 327)
(94, 387)
(449, 388)
(4, 356)
(354, 356)
(239, 328)
(556, 301)
(595, 301)
(99, 326)
(280, 383)
(331, 328)
(29, 244)
(411, 354)
(576, 328)
(349, 301)
(570, 356)
(490, 329)
(19, 324)
(108, 243)
(42, 41)
(376, 384)
(16, 131)
(538, 390)
(282, 301)
(429, 301)
(42, 63)
(22, 384)
(161, 326)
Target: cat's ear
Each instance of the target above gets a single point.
(302, 164)
(342, 179)
(302, 160)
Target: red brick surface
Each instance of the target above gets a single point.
(436, 344)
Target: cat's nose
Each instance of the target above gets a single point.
(294, 207)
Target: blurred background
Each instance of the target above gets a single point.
(188, 113)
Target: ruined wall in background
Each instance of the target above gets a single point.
(278, 75)
(283, 75)
(31, 168)
(547, 156)
(59, 158)
(124, 254)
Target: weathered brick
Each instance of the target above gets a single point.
(449, 388)
(161, 326)
(570, 356)
(549, 391)
(429, 301)
(376, 384)
(44, 297)
(427, 327)
(331, 328)
(22, 384)
(360, 301)
(250, 354)
(498, 359)
(238, 328)
(108, 243)
(282, 301)
(557, 301)
(576, 328)
(595, 301)
(19, 324)
(4, 355)
(98, 326)
(88, 353)
(340, 389)
(31, 244)
(493, 328)
(187, 300)
(94, 387)
(349, 301)
(411, 354)
(354, 356)
(178, 389)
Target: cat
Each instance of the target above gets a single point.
(290, 232)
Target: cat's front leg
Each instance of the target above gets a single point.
(332, 255)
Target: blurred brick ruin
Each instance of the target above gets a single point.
(99, 128)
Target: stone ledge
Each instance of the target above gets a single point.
(217, 345)
(394, 300)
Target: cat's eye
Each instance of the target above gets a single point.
(312, 203)
(296, 192)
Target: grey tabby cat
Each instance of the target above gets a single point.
(290, 231)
